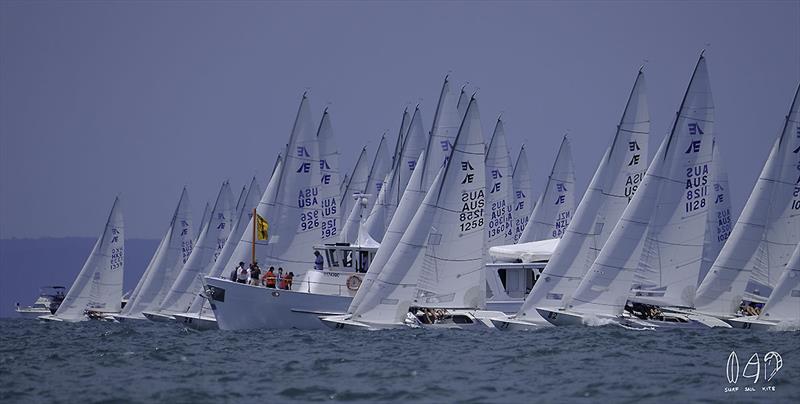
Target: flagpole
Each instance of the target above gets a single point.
(255, 219)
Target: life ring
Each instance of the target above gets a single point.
(353, 283)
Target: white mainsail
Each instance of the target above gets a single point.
(720, 220)
(98, 286)
(784, 302)
(445, 127)
(330, 212)
(767, 231)
(205, 252)
(523, 193)
(556, 204)
(404, 162)
(667, 212)
(499, 192)
(356, 184)
(172, 253)
(293, 210)
(617, 177)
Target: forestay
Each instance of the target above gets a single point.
(98, 286)
(767, 231)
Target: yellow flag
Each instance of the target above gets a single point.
(262, 227)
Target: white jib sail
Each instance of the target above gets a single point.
(205, 252)
(784, 302)
(172, 253)
(356, 184)
(523, 193)
(407, 208)
(98, 286)
(617, 177)
(294, 217)
(768, 228)
(203, 220)
(556, 204)
(667, 212)
(452, 273)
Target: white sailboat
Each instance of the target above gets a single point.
(617, 177)
(329, 181)
(172, 253)
(209, 244)
(662, 230)
(523, 193)
(556, 205)
(438, 262)
(766, 233)
(97, 291)
(203, 220)
(782, 311)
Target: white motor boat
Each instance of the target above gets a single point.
(50, 297)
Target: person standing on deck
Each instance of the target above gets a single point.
(318, 261)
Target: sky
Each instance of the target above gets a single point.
(139, 99)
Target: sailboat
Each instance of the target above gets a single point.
(199, 316)
(97, 291)
(212, 238)
(381, 165)
(782, 311)
(171, 254)
(554, 209)
(661, 231)
(617, 177)
(523, 193)
(764, 237)
(438, 262)
(513, 268)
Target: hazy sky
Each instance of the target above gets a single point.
(141, 98)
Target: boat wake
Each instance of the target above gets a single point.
(786, 326)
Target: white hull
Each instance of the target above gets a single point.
(31, 312)
(751, 323)
(121, 318)
(51, 317)
(238, 307)
(343, 322)
(158, 317)
(197, 322)
(513, 324)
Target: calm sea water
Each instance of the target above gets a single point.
(105, 362)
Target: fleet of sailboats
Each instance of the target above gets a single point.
(443, 232)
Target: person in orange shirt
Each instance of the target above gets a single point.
(269, 278)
